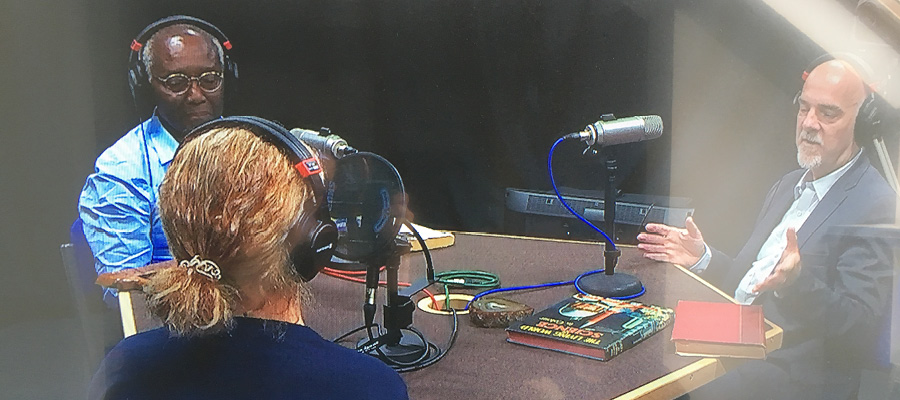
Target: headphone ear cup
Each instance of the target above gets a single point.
(313, 254)
(232, 92)
(868, 120)
(139, 87)
(132, 84)
(868, 111)
(231, 69)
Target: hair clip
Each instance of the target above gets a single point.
(206, 268)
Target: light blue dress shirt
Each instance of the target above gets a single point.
(118, 202)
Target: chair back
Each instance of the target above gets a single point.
(79, 263)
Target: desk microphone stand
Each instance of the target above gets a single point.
(392, 346)
(610, 283)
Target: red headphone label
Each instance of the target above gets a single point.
(308, 167)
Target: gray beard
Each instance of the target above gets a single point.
(808, 161)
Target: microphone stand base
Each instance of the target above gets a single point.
(408, 350)
(617, 286)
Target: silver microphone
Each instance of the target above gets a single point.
(611, 131)
(331, 145)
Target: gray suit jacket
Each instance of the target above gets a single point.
(832, 313)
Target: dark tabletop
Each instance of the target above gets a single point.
(482, 364)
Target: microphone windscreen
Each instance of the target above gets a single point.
(653, 126)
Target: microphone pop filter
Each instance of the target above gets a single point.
(367, 202)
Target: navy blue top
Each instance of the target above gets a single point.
(257, 359)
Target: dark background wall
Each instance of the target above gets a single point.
(464, 97)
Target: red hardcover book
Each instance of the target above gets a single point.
(719, 330)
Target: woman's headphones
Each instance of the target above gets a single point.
(868, 120)
(139, 82)
(319, 234)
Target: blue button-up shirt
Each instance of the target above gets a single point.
(118, 202)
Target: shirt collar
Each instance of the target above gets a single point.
(822, 185)
(161, 140)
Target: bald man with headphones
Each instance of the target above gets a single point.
(827, 288)
(179, 68)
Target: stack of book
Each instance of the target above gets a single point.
(719, 330)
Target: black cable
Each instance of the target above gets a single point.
(397, 363)
(344, 336)
(439, 353)
(432, 353)
(647, 215)
(429, 264)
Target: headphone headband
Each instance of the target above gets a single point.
(301, 158)
(138, 42)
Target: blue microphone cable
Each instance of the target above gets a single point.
(559, 196)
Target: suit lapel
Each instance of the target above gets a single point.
(773, 210)
(774, 214)
(781, 201)
(832, 200)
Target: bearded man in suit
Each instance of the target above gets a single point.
(826, 287)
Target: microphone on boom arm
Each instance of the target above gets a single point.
(324, 142)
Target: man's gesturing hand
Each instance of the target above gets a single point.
(670, 244)
(787, 269)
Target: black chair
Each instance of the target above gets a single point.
(79, 263)
(100, 323)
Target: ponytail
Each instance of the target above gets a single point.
(190, 302)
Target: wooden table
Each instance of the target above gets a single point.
(483, 365)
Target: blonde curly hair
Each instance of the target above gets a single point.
(232, 198)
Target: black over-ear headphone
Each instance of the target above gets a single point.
(319, 234)
(868, 120)
(139, 82)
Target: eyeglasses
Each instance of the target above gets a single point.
(180, 83)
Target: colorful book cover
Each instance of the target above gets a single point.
(590, 326)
